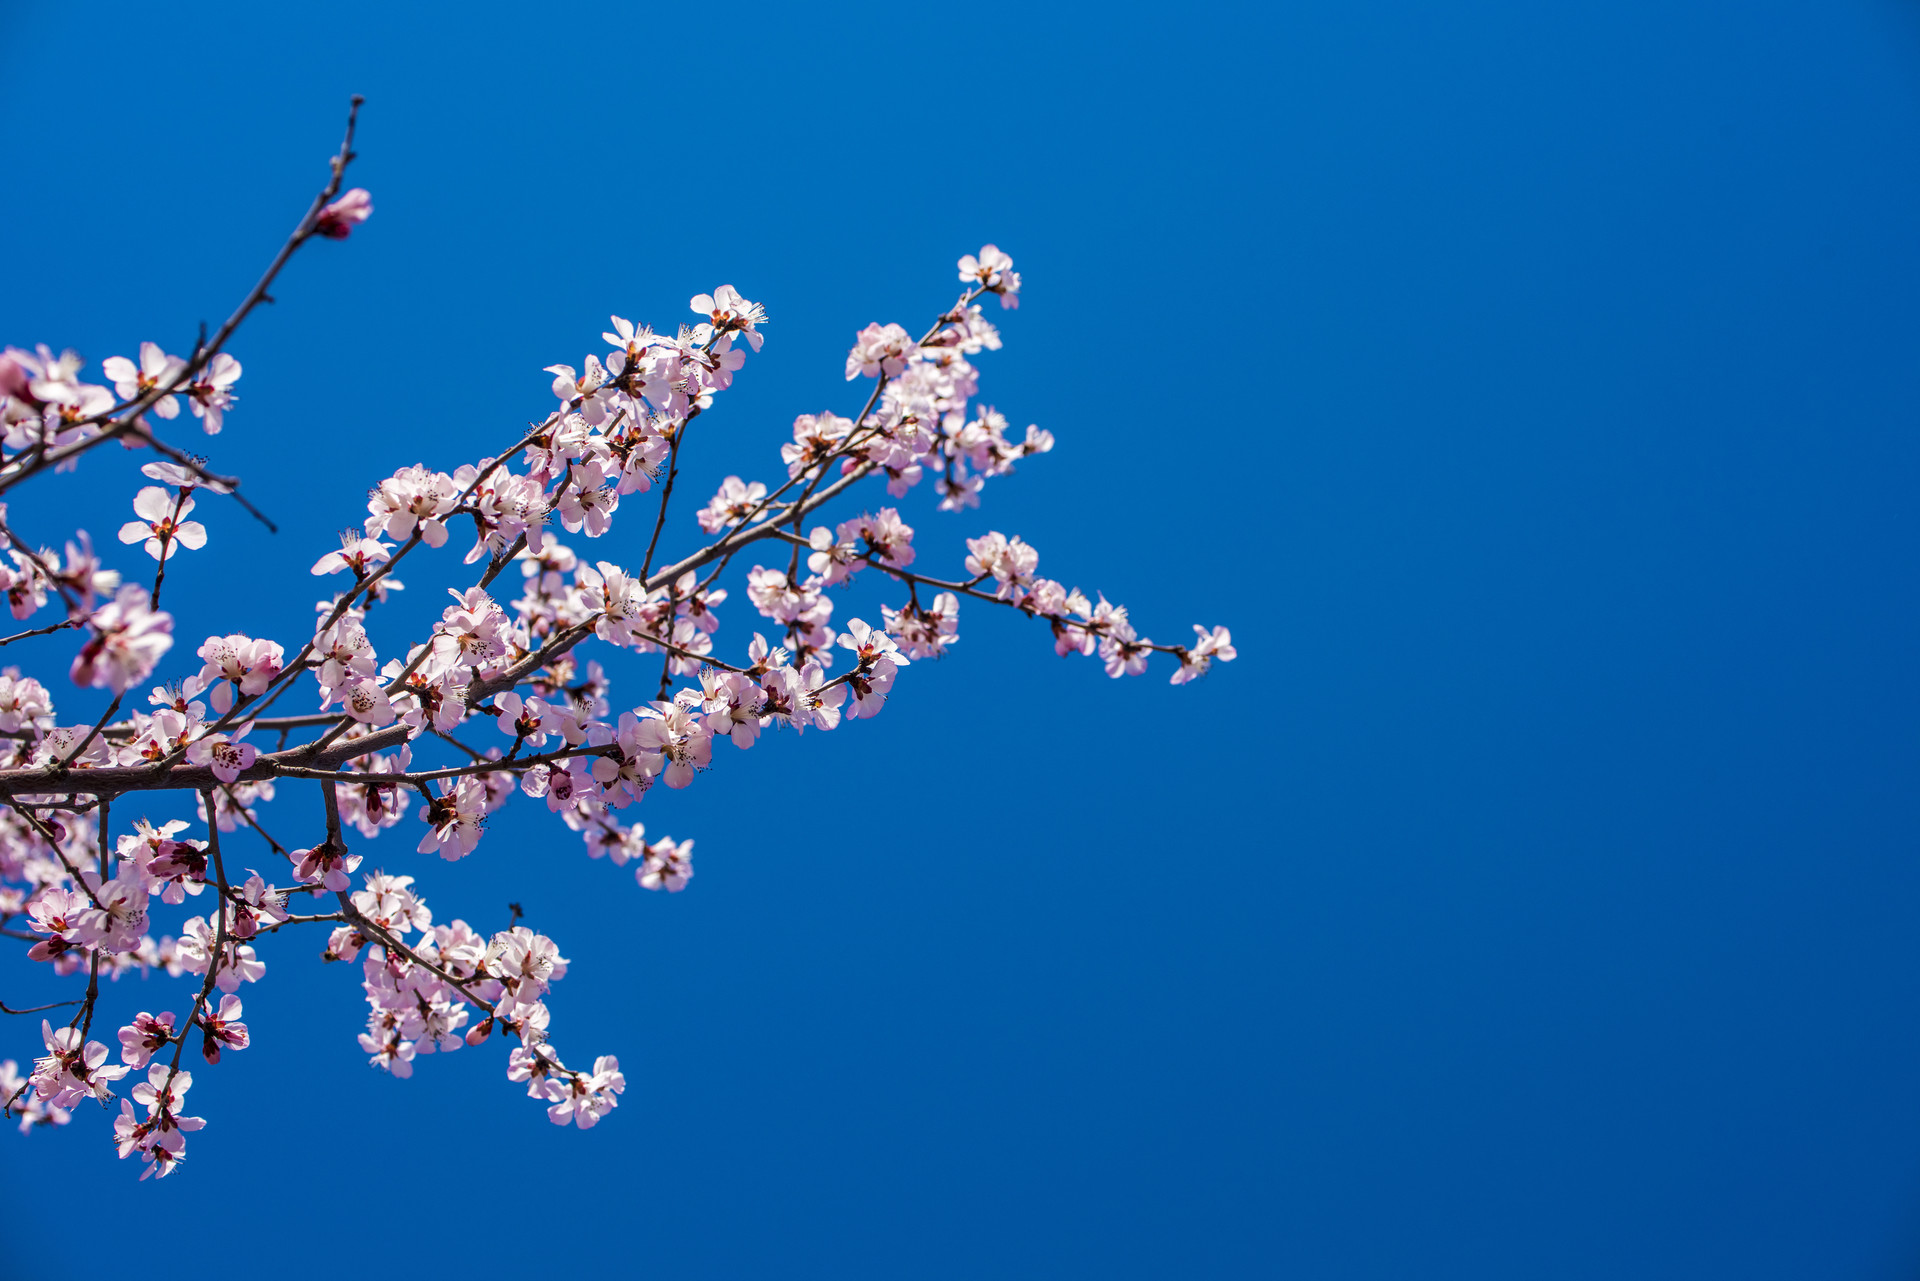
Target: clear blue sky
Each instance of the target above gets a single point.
(1531, 388)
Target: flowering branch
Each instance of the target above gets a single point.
(408, 739)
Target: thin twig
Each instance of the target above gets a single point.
(42, 631)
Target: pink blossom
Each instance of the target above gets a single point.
(369, 703)
(584, 1099)
(526, 663)
(731, 504)
(454, 818)
(727, 312)
(588, 393)
(357, 554)
(73, 1069)
(82, 572)
(243, 663)
(993, 270)
(24, 703)
(887, 537)
(325, 865)
(1195, 660)
(523, 718)
(472, 633)
(128, 640)
(160, 524)
(630, 762)
(527, 964)
(338, 219)
(668, 866)
(959, 492)
(411, 498)
(222, 1030)
(345, 656)
(1123, 653)
(835, 557)
(225, 754)
(879, 659)
(1010, 563)
(164, 1090)
(60, 914)
(617, 843)
(32, 1110)
(390, 903)
(258, 901)
(925, 633)
(26, 586)
(589, 502)
(675, 731)
(731, 703)
(819, 703)
(881, 350)
(210, 394)
(156, 369)
(815, 438)
(145, 1037)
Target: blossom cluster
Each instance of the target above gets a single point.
(502, 688)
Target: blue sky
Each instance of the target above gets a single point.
(1531, 389)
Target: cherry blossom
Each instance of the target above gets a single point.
(454, 819)
(589, 502)
(668, 866)
(835, 556)
(497, 697)
(1009, 562)
(357, 554)
(222, 1030)
(993, 271)
(925, 633)
(368, 702)
(585, 1098)
(210, 394)
(345, 656)
(224, 754)
(128, 640)
(411, 498)
(1197, 658)
(146, 1036)
(339, 218)
(73, 1068)
(815, 438)
(881, 350)
(326, 865)
(1123, 653)
(239, 664)
(156, 370)
(731, 504)
(83, 573)
(161, 525)
(25, 704)
(32, 1109)
(726, 313)
(525, 719)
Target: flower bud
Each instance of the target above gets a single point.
(338, 219)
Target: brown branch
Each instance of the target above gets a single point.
(42, 631)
